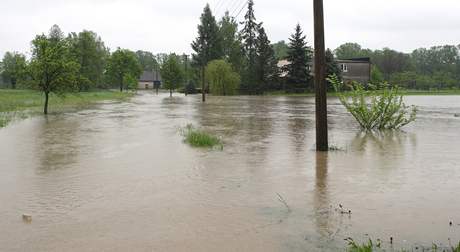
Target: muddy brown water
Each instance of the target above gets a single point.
(118, 177)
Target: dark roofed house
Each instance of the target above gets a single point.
(149, 80)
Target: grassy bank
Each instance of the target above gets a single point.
(405, 92)
(16, 104)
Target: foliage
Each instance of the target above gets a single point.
(121, 63)
(13, 68)
(351, 50)
(200, 138)
(365, 247)
(281, 50)
(231, 42)
(147, 60)
(52, 68)
(131, 82)
(378, 108)
(249, 37)
(89, 51)
(376, 75)
(266, 63)
(222, 79)
(332, 67)
(299, 55)
(172, 73)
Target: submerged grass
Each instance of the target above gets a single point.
(17, 104)
(371, 246)
(199, 138)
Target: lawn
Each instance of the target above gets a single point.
(23, 103)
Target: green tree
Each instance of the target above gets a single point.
(266, 63)
(171, 73)
(52, 68)
(91, 53)
(249, 37)
(390, 61)
(376, 75)
(231, 42)
(14, 68)
(147, 61)
(299, 56)
(332, 67)
(121, 63)
(222, 79)
(207, 46)
(281, 50)
(351, 50)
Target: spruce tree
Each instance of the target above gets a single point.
(249, 36)
(266, 63)
(232, 49)
(207, 45)
(299, 57)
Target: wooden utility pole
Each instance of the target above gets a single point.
(320, 78)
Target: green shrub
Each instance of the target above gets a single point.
(199, 138)
(378, 107)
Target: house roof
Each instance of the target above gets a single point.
(150, 76)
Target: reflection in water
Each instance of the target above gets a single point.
(321, 196)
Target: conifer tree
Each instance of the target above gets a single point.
(299, 56)
(332, 67)
(207, 45)
(249, 36)
(266, 63)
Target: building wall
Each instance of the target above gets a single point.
(145, 85)
(356, 71)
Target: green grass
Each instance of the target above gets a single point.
(16, 104)
(199, 138)
(371, 246)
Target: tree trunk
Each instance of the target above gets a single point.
(320, 81)
(13, 84)
(203, 91)
(121, 84)
(45, 109)
(170, 92)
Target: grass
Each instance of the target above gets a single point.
(371, 246)
(199, 138)
(17, 104)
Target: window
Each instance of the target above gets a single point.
(344, 67)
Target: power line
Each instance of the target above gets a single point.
(219, 2)
(242, 8)
(235, 6)
(230, 5)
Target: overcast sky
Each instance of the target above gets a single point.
(170, 25)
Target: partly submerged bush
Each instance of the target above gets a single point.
(379, 107)
(199, 138)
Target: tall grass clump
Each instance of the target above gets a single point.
(378, 107)
(199, 138)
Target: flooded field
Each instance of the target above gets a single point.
(118, 177)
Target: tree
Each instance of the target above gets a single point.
(14, 68)
(376, 75)
(231, 42)
(121, 63)
(249, 37)
(171, 73)
(390, 61)
(52, 68)
(281, 50)
(207, 45)
(223, 80)
(147, 61)
(299, 56)
(91, 53)
(351, 50)
(266, 63)
(332, 67)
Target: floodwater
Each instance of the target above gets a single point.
(117, 177)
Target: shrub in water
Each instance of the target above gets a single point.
(380, 107)
(199, 138)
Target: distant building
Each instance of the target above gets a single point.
(357, 69)
(149, 80)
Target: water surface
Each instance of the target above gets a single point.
(118, 177)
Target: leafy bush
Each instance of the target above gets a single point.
(379, 107)
(199, 138)
(221, 77)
